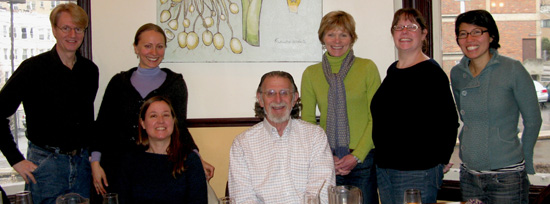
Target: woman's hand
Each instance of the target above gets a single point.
(344, 165)
(99, 178)
(208, 170)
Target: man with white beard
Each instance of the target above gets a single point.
(281, 158)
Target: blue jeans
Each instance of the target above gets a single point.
(501, 188)
(363, 176)
(393, 183)
(58, 174)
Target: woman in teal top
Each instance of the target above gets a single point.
(342, 86)
(491, 92)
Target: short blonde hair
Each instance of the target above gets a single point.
(340, 20)
(80, 18)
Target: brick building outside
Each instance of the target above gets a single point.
(521, 25)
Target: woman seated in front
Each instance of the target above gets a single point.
(166, 170)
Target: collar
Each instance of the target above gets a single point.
(148, 72)
(336, 62)
(273, 131)
(495, 60)
(55, 55)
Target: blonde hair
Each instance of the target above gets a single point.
(80, 18)
(337, 20)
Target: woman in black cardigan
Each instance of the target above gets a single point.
(117, 121)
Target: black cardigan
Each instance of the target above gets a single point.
(117, 121)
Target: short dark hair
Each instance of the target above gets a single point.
(480, 18)
(259, 110)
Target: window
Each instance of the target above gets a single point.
(31, 33)
(41, 34)
(5, 30)
(23, 33)
(25, 54)
(6, 53)
(545, 23)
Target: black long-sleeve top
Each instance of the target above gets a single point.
(415, 121)
(58, 103)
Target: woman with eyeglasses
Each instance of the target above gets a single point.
(491, 92)
(415, 119)
(342, 86)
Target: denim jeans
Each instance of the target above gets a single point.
(501, 188)
(58, 174)
(363, 176)
(393, 183)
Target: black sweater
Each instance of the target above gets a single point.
(147, 178)
(58, 102)
(415, 121)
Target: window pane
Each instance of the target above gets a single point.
(23, 33)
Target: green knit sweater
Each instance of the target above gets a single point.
(361, 83)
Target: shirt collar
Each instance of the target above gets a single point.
(495, 59)
(273, 131)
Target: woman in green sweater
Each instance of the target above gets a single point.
(342, 86)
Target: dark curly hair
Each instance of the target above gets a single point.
(259, 110)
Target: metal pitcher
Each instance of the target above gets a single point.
(344, 194)
(72, 198)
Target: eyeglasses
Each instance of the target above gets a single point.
(272, 93)
(410, 27)
(67, 29)
(476, 32)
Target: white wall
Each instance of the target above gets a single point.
(224, 90)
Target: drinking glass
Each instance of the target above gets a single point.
(226, 200)
(110, 198)
(311, 198)
(72, 198)
(412, 196)
(23, 197)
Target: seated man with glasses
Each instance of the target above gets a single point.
(58, 89)
(281, 158)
